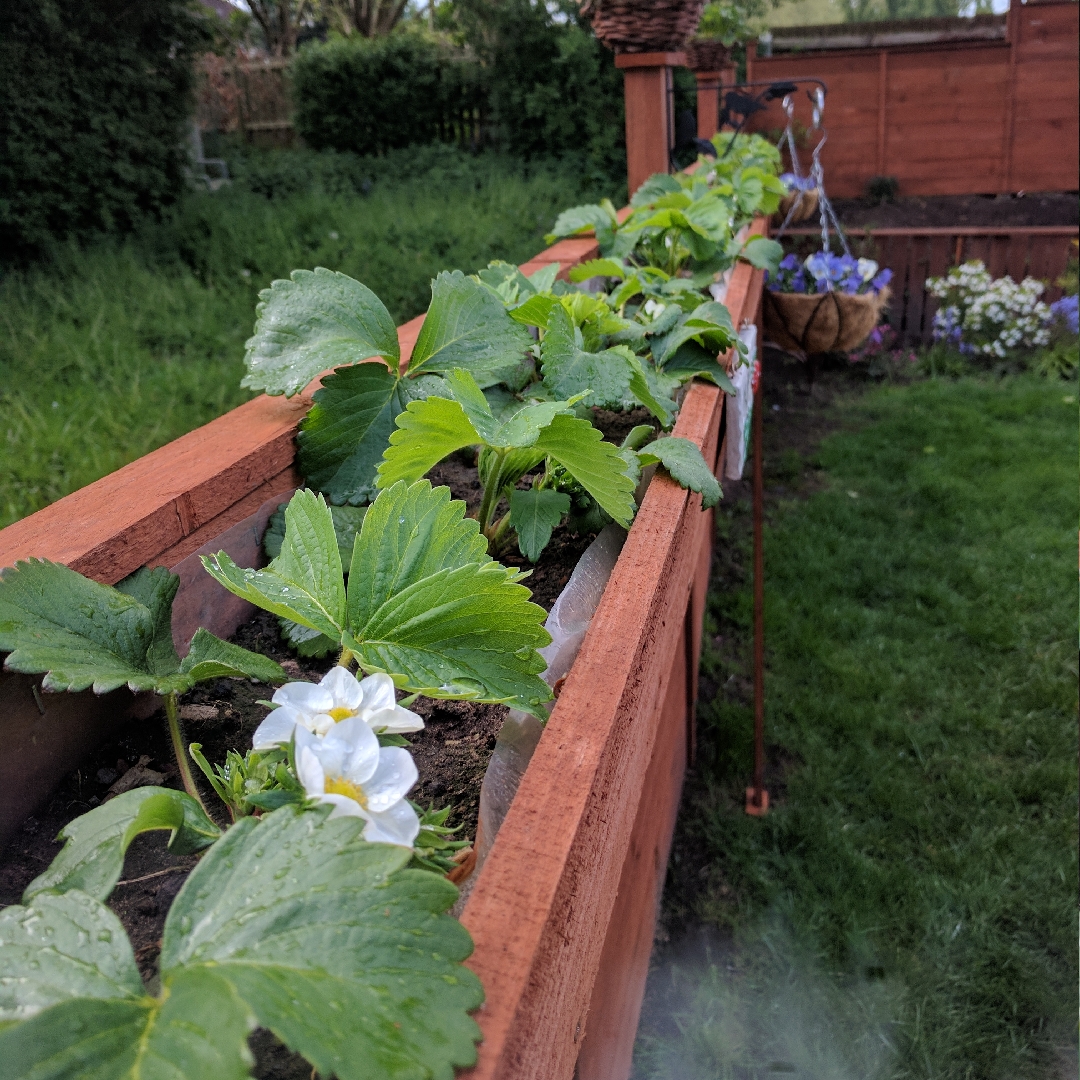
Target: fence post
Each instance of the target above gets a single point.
(647, 84)
(708, 103)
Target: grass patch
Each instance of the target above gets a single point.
(111, 350)
(908, 908)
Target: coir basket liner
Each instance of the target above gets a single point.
(629, 26)
(821, 322)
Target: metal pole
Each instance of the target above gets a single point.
(757, 798)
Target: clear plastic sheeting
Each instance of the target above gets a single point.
(740, 408)
(567, 624)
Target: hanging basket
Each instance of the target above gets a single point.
(821, 322)
(706, 54)
(806, 209)
(640, 26)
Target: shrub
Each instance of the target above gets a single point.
(93, 102)
(373, 95)
(530, 85)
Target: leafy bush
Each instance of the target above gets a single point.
(533, 86)
(93, 102)
(372, 95)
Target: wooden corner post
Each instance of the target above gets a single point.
(649, 121)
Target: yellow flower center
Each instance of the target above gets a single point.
(339, 786)
(340, 713)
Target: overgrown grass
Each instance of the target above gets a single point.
(112, 350)
(908, 907)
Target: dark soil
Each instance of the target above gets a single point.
(949, 210)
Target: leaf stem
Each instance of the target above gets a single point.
(492, 490)
(172, 713)
(498, 533)
(346, 658)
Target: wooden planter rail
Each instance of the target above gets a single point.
(564, 909)
(947, 118)
(915, 254)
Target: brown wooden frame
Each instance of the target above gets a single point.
(563, 910)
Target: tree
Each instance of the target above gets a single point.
(280, 22)
(370, 18)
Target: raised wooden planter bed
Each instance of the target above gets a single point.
(564, 908)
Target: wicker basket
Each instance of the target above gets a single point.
(638, 26)
(807, 208)
(821, 322)
(706, 54)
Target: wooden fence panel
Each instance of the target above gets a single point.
(948, 118)
(940, 100)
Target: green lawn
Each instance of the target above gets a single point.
(908, 908)
(109, 351)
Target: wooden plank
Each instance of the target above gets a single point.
(606, 1052)
(1013, 111)
(996, 263)
(536, 924)
(113, 526)
(917, 275)
(882, 109)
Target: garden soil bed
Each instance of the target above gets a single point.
(948, 211)
(451, 754)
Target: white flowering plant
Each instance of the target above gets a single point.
(316, 913)
(983, 316)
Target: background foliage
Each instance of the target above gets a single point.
(94, 97)
(508, 74)
(112, 349)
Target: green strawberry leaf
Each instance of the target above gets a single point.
(211, 658)
(579, 219)
(305, 583)
(609, 268)
(467, 393)
(534, 514)
(347, 522)
(535, 311)
(60, 946)
(84, 1010)
(690, 360)
(427, 431)
(709, 324)
(335, 948)
(429, 607)
(762, 253)
(467, 327)
(342, 438)
(92, 857)
(80, 633)
(683, 460)
(569, 370)
(315, 321)
(291, 922)
(645, 386)
(155, 590)
(578, 447)
(543, 280)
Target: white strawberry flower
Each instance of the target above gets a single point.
(349, 770)
(339, 696)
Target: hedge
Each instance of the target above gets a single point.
(94, 99)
